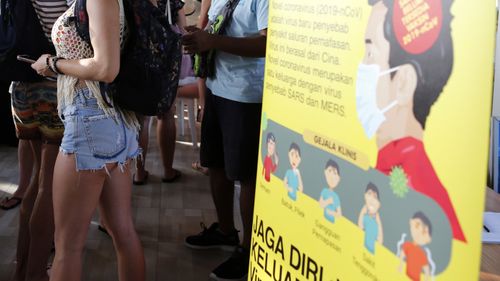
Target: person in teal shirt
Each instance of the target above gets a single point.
(369, 218)
(293, 179)
(329, 199)
(230, 130)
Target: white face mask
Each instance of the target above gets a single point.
(369, 114)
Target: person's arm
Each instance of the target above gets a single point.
(202, 91)
(255, 46)
(198, 41)
(203, 18)
(104, 27)
(301, 186)
(380, 237)
(181, 19)
(402, 257)
(427, 273)
(285, 181)
(360, 218)
(323, 203)
(338, 212)
(276, 161)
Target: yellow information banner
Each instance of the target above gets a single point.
(374, 140)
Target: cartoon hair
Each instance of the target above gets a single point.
(296, 147)
(433, 67)
(270, 136)
(373, 188)
(333, 164)
(424, 219)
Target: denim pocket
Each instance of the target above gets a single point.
(106, 137)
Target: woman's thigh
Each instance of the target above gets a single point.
(115, 201)
(76, 195)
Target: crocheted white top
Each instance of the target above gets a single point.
(69, 45)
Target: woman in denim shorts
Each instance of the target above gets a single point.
(92, 168)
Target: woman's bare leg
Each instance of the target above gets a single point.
(23, 237)
(165, 134)
(26, 163)
(76, 196)
(41, 225)
(115, 207)
(25, 156)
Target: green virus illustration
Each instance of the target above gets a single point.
(399, 182)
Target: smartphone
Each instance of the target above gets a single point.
(25, 58)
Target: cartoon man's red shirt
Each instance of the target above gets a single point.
(269, 167)
(416, 259)
(409, 154)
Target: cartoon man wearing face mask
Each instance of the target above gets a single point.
(397, 84)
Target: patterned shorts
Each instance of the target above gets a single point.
(34, 109)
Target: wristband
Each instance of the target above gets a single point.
(54, 61)
(54, 65)
(47, 63)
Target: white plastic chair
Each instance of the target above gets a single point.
(189, 105)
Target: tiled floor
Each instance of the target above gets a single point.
(164, 214)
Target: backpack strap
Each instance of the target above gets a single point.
(204, 63)
(82, 20)
(227, 14)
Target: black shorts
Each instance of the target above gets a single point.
(230, 136)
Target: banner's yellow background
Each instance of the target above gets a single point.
(456, 139)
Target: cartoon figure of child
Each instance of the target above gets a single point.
(369, 219)
(293, 179)
(329, 200)
(413, 252)
(269, 165)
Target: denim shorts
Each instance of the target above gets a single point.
(95, 138)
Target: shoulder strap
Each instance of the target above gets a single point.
(204, 64)
(231, 5)
(222, 20)
(82, 20)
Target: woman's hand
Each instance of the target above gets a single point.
(41, 67)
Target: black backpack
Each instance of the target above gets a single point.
(20, 34)
(150, 61)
